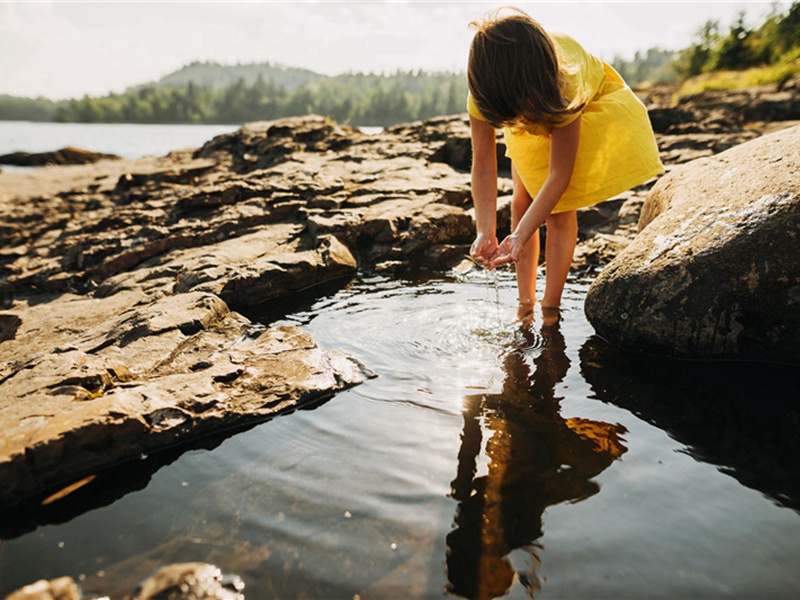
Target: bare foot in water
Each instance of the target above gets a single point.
(551, 315)
(525, 312)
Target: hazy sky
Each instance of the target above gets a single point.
(66, 48)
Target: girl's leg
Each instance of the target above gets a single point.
(529, 257)
(562, 236)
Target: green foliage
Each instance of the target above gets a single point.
(654, 66)
(365, 99)
(13, 108)
(742, 48)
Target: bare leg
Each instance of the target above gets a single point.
(529, 257)
(562, 236)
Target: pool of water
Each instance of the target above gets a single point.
(487, 458)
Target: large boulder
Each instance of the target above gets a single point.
(714, 271)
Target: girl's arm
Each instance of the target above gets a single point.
(563, 149)
(484, 189)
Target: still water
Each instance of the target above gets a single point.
(124, 139)
(486, 459)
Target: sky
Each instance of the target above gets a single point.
(62, 49)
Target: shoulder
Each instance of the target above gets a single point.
(571, 53)
(472, 108)
(581, 71)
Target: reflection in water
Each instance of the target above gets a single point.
(537, 459)
(742, 417)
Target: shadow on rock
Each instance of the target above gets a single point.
(536, 459)
(741, 417)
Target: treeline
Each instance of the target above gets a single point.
(362, 99)
(775, 42)
(14, 108)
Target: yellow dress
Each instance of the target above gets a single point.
(617, 148)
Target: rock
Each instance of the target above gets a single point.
(713, 272)
(66, 156)
(155, 375)
(180, 581)
(63, 588)
(190, 581)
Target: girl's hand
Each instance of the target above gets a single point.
(483, 248)
(508, 251)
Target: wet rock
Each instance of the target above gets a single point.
(712, 273)
(190, 581)
(63, 588)
(180, 581)
(66, 156)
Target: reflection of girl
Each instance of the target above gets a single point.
(536, 459)
(575, 133)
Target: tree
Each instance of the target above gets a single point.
(734, 52)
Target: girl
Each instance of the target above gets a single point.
(575, 133)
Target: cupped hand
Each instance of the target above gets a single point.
(483, 248)
(508, 251)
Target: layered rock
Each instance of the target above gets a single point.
(714, 273)
(112, 379)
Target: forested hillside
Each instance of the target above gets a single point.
(213, 74)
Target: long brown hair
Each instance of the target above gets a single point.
(514, 72)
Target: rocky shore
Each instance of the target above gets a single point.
(125, 283)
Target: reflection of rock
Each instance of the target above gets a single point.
(741, 417)
(714, 273)
(537, 459)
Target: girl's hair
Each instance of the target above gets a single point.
(514, 72)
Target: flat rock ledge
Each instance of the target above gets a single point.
(714, 272)
(117, 378)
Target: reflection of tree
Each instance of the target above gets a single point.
(537, 459)
(740, 416)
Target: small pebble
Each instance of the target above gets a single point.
(61, 544)
(185, 483)
(347, 514)
(394, 546)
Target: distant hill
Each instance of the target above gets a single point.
(216, 75)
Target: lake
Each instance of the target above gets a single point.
(124, 139)
(488, 458)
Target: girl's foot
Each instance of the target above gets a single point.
(551, 315)
(525, 311)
